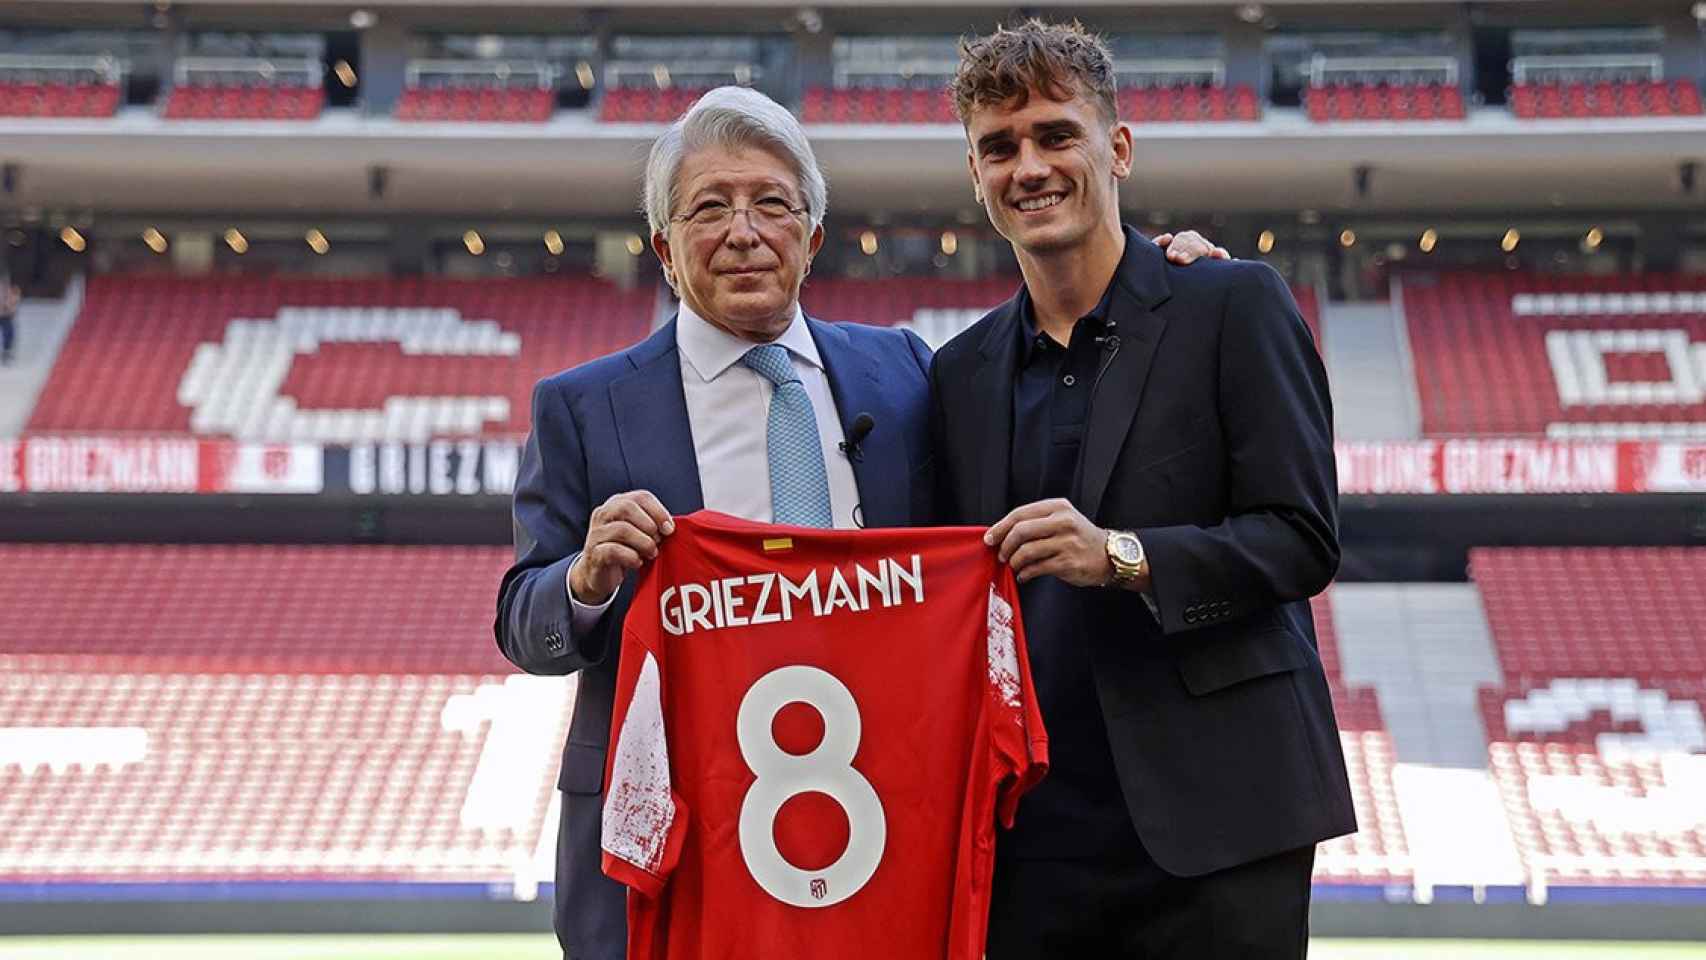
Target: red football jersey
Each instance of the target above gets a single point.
(815, 733)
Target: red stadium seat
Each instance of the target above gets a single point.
(828, 105)
(244, 103)
(141, 336)
(468, 105)
(1187, 104)
(647, 105)
(268, 713)
(1655, 629)
(939, 307)
(393, 609)
(902, 299)
(1603, 694)
(58, 100)
(1605, 99)
(1481, 368)
(1342, 103)
(1378, 852)
(1136, 105)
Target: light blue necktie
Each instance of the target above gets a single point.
(799, 483)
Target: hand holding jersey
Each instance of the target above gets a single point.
(623, 534)
(1052, 538)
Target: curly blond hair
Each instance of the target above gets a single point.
(1057, 60)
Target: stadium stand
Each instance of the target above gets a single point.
(324, 713)
(58, 99)
(1185, 104)
(369, 609)
(267, 712)
(232, 777)
(1378, 852)
(470, 105)
(1627, 98)
(260, 102)
(897, 299)
(1189, 104)
(829, 105)
(937, 308)
(346, 361)
(646, 104)
(1357, 102)
(327, 360)
(1562, 356)
(1596, 738)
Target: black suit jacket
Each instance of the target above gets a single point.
(620, 423)
(1210, 435)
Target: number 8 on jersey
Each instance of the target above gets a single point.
(827, 769)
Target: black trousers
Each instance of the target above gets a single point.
(7, 333)
(1127, 908)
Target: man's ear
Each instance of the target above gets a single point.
(971, 167)
(814, 243)
(1124, 148)
(660, 246)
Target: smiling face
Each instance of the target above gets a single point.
(1048, 171)
(744, 273)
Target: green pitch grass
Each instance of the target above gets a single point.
(543, 947)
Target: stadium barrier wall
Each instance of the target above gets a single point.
(484, 467)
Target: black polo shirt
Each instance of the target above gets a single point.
(1077, 811)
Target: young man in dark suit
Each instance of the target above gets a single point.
(1153, 451)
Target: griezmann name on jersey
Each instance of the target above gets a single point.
(815, 734)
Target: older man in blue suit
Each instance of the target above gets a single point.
(740, 404)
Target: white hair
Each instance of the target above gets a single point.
(731, 117)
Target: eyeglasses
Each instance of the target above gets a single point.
(771, 213)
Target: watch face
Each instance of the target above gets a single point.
(1126, 549)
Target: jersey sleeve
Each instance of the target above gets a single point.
(644, 819)
(1020, 742)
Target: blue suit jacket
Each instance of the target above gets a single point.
(620, 423)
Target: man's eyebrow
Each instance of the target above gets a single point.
(991, 139)
(1058, 126)
(1041, 129)
(725, 186)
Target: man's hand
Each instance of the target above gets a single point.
(1188, 247)
(1051, 538)
(624, 534)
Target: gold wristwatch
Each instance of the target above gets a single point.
(1125, 555)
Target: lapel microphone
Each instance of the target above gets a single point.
(863, 424)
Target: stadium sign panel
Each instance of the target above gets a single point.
(488, 468)
(1517, 466)
(440, 468)
(171, 464)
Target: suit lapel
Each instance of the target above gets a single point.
(1140, 287)
(882, 472)
(652, 427)
(992, 404)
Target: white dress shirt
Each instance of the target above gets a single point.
(728, 407)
